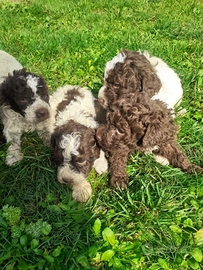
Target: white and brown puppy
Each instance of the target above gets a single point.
(7, 65)
(24, 101)
(132, 71)
(75, 148)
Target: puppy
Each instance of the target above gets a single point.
(138, 123)
(132, 71)
(7, 65)
(24, 101)
(74, 146)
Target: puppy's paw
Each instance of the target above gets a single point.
(12, 159)
(82, 192)
(121, 181)
(101, 164)
(194, 168)
(161, 160)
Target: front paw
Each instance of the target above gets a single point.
(120, 181)
(194, 168)
(12, 159)
(82, 192)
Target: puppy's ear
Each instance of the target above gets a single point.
(57, 151)
(2, 94)
(151, 84)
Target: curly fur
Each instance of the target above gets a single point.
(74, 145)
(24, 100)
(132, 71)
(137, 122)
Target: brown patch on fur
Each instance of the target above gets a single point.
(100, 113)
(70, 95)
(135, 74)
(88, 149)
(137, 122)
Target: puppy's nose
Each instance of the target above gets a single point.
(42, 113)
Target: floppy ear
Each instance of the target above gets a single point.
(58, 155)
(151, 84)
(149, 79)
(2, 94)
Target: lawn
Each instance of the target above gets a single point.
(157, 222)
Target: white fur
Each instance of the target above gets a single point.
(32, 82)
(101, 164)
(171, 91)
(14, 123)
(82, 111)
(7, 65)
(70, 143)
(111, 64)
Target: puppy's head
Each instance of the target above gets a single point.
(127, 72)
(75, 150)
(26, 94)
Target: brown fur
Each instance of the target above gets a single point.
(135, 74)
(138, 123)
(70, 95)
(88, 149)
(100, 112)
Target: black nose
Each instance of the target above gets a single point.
(42, 113)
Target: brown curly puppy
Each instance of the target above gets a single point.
(137, 122)
(133, 71)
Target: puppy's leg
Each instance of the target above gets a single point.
(14, 153)
(44, 130)
(81, 189)
(118, 169)
(177, 157)
(158, 158)
(101, 164)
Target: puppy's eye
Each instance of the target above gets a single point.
(117, 85)
(82, 163)
(23, 100)
(120, 132)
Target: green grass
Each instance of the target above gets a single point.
(156, 223)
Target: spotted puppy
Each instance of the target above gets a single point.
(7, 65)
(24, 101)
(132, 71)
(77, 116)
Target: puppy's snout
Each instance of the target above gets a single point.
(42, 114)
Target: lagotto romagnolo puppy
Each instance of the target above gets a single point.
(132, 71)
(77, 116)
(138, 123)
(24, 101)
